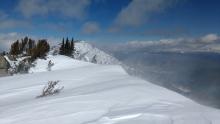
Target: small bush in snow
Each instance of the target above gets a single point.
(50, 89)
(94, 59)
(49, 66)
(11, 71)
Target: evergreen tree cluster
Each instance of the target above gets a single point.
(23, 47)
(67, 47)
(29, 47)
(40, 50)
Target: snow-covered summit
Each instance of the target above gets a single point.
(100, 93)
(95, 94)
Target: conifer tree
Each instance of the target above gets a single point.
(67, 44)
(67, 47)
(62, 48)
(23, 44)
(31, 45)
(40, 49)
(15, 49)
(72, 45)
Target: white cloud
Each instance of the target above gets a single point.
(7, 38)
(138, 11)
(32, 7)
(90, 28)
(68, 8)
(161, 42)
(12, 23)
(199, 41)
(209, 42)
(210, 38)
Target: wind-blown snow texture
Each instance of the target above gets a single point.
(94, 94)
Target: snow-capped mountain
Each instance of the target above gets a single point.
(94, 94)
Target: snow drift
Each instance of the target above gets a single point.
(94, 94)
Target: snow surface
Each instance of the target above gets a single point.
(59, 61)
(94, 94)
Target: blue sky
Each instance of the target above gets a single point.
(109, 20)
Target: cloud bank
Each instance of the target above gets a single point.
(206, 43)
(90, 28)
(68, 8)
(139, 11)
(210, 38)
(6, 39)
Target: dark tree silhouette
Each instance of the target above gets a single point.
(67, 47)
(41, 49)
(15, 50)
(62, 52)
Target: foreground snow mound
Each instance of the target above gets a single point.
(89, 53)
(95, 94)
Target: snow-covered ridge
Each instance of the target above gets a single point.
(95, 94)
(100, 93)
(88, 53)
(84, 52)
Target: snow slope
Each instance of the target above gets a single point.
(94, 94)
(60, 62)
(87, 52)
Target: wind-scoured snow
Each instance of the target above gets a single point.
(94, 94)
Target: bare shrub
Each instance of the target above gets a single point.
(49, 66)
(50, 89)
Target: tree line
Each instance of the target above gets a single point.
(29, 47)
(39, 49)
(67, 47)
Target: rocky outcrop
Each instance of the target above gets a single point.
(3, 63)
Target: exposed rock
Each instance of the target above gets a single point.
(3, 63)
